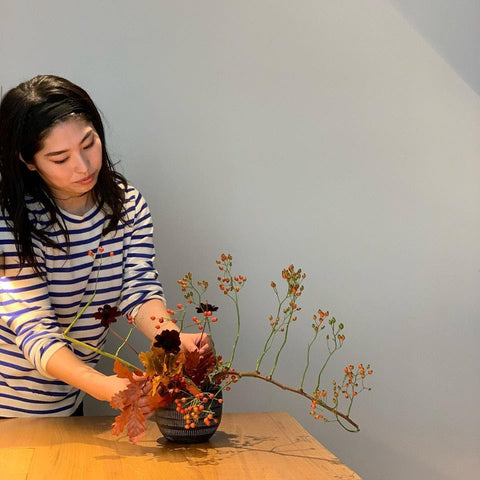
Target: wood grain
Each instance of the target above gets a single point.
(267, 446)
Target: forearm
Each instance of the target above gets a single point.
(149, 316)
(147, 321)
(68, 368)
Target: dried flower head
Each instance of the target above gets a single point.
(169, 340)
(107, 315)
(206, 307)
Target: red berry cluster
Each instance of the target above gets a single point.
(197, 408)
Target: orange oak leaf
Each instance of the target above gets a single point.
(122, 371)
(133, 420)
(137, 403)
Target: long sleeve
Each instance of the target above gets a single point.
(34, 311)
(140, 278)
(28, 313)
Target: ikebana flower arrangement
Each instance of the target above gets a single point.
(194, 384)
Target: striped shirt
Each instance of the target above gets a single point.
(35, 311)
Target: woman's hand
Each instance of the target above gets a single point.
(192, 342)
(113, 385)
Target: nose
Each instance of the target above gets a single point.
(82, 163)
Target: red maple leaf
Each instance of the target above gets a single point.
(136, 405)
(197, 367)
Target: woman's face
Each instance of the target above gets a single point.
(70, 159)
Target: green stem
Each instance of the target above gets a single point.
(307, 365)
(82, 311)
(285, 338)
(336, 346)
(237, 336)
(124, 341)
(101, 352)
(269, 342)
(86, 345)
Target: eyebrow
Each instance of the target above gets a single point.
(60, 152)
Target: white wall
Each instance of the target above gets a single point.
(325, 134)
(452, 29)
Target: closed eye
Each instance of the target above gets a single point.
(90, 145)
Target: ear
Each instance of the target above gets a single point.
(30, 166)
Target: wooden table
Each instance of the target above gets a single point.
(263, 446)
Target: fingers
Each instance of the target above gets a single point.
(139, 378)
(196, 342)
(205, 348)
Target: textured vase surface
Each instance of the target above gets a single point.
(172, 424)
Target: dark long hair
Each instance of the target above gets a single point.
(27, 114)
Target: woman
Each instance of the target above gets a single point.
(60, 200)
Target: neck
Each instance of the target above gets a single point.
(76, 205)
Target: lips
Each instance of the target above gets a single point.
(86, 180)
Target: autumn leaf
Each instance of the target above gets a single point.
(192, 388)
(122, 371)
(153, 363)
(198, 367)
(135, 405)
(133, 420)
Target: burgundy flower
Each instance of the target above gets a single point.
(107, 315)
(206, 307)
(169, 340)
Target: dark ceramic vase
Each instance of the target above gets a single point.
(172, 424)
